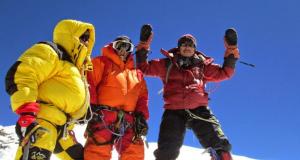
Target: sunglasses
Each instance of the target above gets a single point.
(188, 44)
(85, 36)
(119, 45)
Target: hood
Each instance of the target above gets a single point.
(110, 53)
(67, 33)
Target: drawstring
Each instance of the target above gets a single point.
(167, 75)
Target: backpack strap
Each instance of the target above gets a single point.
(60, 51)
(169, 66)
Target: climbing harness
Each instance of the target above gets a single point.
(200, 118)
(117, 129)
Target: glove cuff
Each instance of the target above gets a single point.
(145, 42)
(28, 108)
(143, 45)
(27, 112)
(232, 50)
(141, 56)
(231, 46)
(26, 120)
(230, 61)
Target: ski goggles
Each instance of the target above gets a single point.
(125, 45)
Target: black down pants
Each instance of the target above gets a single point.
(173, 127)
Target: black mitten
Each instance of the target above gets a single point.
(146, 32)
(231, 36)
(140, 124)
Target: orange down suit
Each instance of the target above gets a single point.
(119, 86)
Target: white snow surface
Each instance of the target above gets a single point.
(9, 144)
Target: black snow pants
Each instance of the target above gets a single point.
(173, 127)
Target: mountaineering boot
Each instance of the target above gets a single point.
(219, 155)
(225, 156)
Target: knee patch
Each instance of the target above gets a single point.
(74, 152)
(68, 148)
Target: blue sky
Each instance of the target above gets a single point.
(258, 108)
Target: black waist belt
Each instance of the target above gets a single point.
(96, 108)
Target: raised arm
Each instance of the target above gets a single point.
(155, 67)
(214, 72)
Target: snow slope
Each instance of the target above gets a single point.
(9, 143)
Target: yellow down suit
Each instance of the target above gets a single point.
(52, 75)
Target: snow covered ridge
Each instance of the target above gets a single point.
(9, 144)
